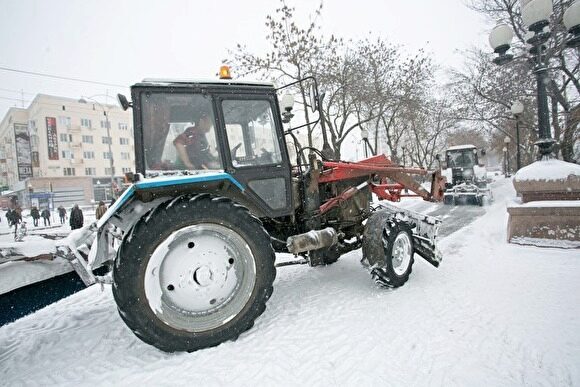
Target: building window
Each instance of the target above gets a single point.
(108, 171)
(67, 154)
(107, 140)
(64, 121)
(65, 137)
(88, 154)
(104, 124)
(88, 139)
(124, 141)
(123, 126)
(125, 156)
(91, 171)
(86, 123)
(69, 171)
(107, 155)
(125, 170)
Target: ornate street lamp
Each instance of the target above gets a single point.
(536, 15)
(517, 109)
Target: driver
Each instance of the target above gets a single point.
(192, 145)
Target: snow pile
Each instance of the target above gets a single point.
(547, 170)
(492, 314)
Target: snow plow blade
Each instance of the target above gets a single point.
(425, 229)
(74, 246)
(467, 193)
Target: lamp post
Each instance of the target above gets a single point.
(507, 141)
(536, 15)
(505, 170)
(517, 109)
(110, 139)
(365, 137)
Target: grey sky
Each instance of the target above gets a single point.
(122, 42)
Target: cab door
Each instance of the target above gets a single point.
(255, 150)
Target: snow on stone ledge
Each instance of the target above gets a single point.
(552, 203)
(547, 170)
(541, 242)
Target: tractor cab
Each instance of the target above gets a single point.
(204, 128)
(462, 157)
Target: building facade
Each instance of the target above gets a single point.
(61, 151)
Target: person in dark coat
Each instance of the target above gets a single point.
(46, 216)
(61, 214)
(76, 217)
(35, 214)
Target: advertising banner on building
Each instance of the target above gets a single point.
(23, 154)
(52, 138)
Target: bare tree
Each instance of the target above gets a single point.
(295, 51)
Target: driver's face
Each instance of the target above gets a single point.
(204, 124)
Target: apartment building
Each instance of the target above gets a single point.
(64, 151)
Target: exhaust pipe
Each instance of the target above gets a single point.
(312, 240)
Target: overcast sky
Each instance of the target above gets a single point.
(122, 42)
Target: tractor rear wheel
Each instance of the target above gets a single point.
(194, 273)
(388, 249)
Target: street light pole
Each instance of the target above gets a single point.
(517, 109)
(365, 135)
(507, 141)
(109, 141)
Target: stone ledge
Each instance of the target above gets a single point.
(557, 223)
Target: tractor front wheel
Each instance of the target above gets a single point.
(194, 273)
(388, 249)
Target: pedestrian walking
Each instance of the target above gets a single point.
(76, 217)
(45, 216)
(16, 218)
(35, 214)
(61, 214)
(101, 209)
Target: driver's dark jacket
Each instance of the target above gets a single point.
(196, 146)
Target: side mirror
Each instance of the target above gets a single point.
(125, 104)
(483, 152)
(313, 98)
(438, 157)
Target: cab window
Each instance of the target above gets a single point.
(251, 133)
(179, 132)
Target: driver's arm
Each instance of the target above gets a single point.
(182, 153)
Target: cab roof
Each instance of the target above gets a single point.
(199, 82)
(459, 147)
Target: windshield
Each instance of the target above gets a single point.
(179, 132)
(464, 158)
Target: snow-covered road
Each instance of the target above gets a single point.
(492, 314)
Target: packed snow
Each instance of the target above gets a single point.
(547, 170)
(493, 314)
(20, 273)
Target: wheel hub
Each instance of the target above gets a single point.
(401, 253)
(200, 276)
(203, 276)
